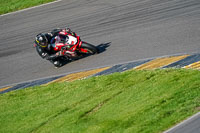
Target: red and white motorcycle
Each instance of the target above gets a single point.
(71, 46)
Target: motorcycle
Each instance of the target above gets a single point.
(72, 47)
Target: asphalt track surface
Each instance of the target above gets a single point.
(185, 126)
(123, 30)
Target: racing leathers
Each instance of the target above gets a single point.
(48, 52)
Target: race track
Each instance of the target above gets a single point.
(125, 30)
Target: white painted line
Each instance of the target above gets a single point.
(184, 122)
(30, 8)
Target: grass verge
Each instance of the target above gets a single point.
(133, 101)
(7, 6)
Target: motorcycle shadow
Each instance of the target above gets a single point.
(101, 48)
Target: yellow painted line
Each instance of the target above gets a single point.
(160, 62)
(79, 75)
(5, 88)
(195, 65)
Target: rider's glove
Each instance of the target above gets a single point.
(60, 53)
(74, 34)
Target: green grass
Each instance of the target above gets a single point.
(148, 101)
(7, 6)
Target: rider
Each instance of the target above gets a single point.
(45, 49)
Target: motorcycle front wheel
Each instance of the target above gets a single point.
(88, 48)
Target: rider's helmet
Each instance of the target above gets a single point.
(41, 40)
